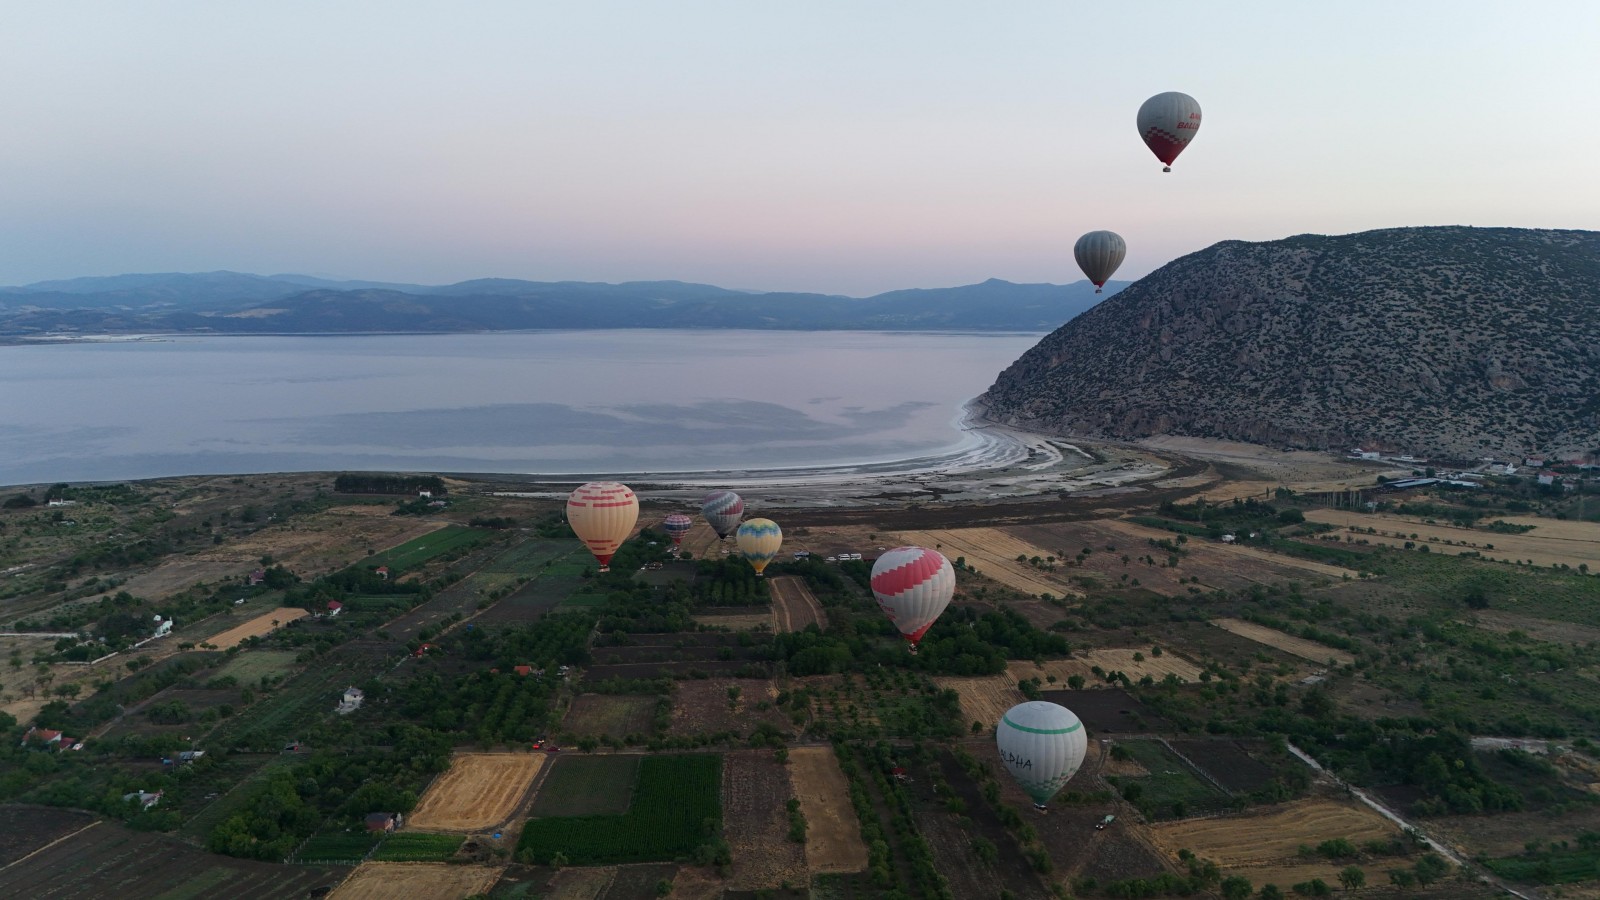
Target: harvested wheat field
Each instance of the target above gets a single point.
(993, 552)
(260, 625)
(755, 787)
(1251, 562)
(1288, 643)
(1551, 541)
(587, 883)
(479, 790)
(833, 841)
(415, 881)
(1114, 659)
(794, 606)
(984, 699)
(1264, 845)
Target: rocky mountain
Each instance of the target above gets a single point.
(234, 303)
(1451, 342)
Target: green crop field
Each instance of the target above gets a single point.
(1171, 781)
(587, 786)
(417, 551)
(418, 847)
(337, 846)
(568, 568)
(676, 808)
(249, 666)
(1549, 867)
(528, 557)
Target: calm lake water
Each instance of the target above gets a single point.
(547, 402)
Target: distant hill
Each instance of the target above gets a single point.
(236, 303)
(1458, 342)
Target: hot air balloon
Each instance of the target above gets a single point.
(759, 540)
(1098, 254)
(603, 514)
(1042, 744)
(676, 526)
(1167, 122)
(723, 509)
(913, 586)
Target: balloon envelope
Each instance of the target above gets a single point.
(1167, 122)
(913, 586)
(723, 509)
(759, 540)
(676, 526)
(1042, 744)
(602, 513)
(1099, 253)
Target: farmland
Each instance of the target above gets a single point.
(1172, 789)
(1264, 845)
(834, 838)
(251, 666)
(412, 846)
(108, 860)
(417, 551)
(1288, 643)
(263, 624)
(994, 552)
(754, 788)
(793, 605)
(1549, 543)
(674, 801)
(478, 791)
(587, 786)
(424, 881)
(611, 715)
(701, 706)
(25, 829)
(1135, 663)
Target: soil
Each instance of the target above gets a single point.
(24, 829)
(1308, 650)
(477, 792)
(700, 706)
(1113, 659)
(755, 787)
(613, 715)
(1110, 711)
(794, 605)
(834, 833)
(421, 881)
(951, 841)
(1227, 764)
(260, 625)
(983, 699)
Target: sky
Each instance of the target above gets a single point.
(842, 147)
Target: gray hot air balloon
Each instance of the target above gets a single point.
(1167, 122)
(1098, 254)
(1042, 745)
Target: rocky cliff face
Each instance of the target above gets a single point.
(1458, 342)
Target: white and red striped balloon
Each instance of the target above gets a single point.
(913, 586)
(603, 513)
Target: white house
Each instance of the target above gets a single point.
(351, 700)
(163, 628)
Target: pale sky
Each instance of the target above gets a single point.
(845, 147)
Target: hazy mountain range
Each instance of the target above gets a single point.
(239, 303)
(1452, 341)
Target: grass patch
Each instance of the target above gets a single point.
(587, 786)
(337, 846)
(408, 846)
(417, 551)
(1549, 866)
(1172, 790)
(676, 808)
(568, 568)
(250, 666)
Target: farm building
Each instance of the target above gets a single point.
(383, 572)
(145, 798)
(163, 628)
(384, 821)
(523, 670)
(351, 701)
(334, 608)
(258, 576)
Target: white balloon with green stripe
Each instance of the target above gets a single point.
(1042, 744)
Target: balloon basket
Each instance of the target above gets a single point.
(1041, 809)
(1166, 168)
(604, 569)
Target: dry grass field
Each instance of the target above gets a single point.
(984, 699)
(615, 715)
(1250, 562)
(755, 787)
(256, 627)
(1118, 659)
(415, 881)
(993, 552)
(1550, 542)
(478, 791)
(1311, 650)
(586, 883)
(1264, 845)
(833, 841)
(751, 622)
(794, 606)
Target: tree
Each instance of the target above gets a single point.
(1352, 878)
(1270, 892)
(1235, 887)
(1402, 878)
(1432, 867)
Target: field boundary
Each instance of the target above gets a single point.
(40, 850)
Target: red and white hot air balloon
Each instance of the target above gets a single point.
(1167, 122)
(603, 514)
(913, 586)
(676, 526)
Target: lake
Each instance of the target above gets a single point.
(636, 401)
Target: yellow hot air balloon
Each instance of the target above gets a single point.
(603, 514)
(759, 540)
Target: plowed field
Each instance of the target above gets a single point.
(415, 881)
(833, 839)
(755, 787)
(1223, 565)
(1113, 659)
(1288, 643)
(256, 627)
(1264, 845)
(479, 790)
(993, 553)
(1550, 541)
(794, 605)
